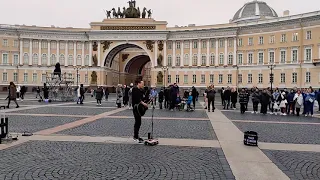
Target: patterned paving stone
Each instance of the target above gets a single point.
(76, 160)
(166, 113)
(283, 133)
(91, 104)
(296, 165)
(65, 110)
(162, 129)
(20, 124)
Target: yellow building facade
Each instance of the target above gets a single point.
(118, 50)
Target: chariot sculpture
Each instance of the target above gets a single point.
(131, 12)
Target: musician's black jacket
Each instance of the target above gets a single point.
(137, 95)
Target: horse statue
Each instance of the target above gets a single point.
(108, 13)
(144, 12)
(138, 12)
(120, 15)
(124, 12)
(114, 13)
(149, 13)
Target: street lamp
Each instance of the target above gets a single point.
(271, 67)
(164, 68)
(77, 68)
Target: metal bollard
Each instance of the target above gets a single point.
(4, 127)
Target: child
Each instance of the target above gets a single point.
(189, 101)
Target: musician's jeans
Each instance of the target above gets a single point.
(137, 124)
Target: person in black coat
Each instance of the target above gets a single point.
(125, 95)
(264, 100)
(161, 97)
(222, 95)
(166, 98)
(211, 93)
(194, 94)
(243, 100)
(173, 94)
(234, 98)
(227, 96)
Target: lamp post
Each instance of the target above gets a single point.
(164, 68)
(77, 68)
(271, 67)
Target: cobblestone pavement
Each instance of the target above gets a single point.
(296, 165)
(75, 160)
(162, 128)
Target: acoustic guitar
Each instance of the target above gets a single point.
(141, 109)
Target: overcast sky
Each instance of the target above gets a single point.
(79, 13)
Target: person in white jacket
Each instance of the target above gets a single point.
(298, 99)
(18, 92)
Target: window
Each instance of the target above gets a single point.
(230, 59)
(249, 78)
(43, 78)
(15, 77)
(261, 57)
(62, 59)
(229, 78)
(308, 54)
(62, 45)
(195, 44)
(271, 57)
(178, 60)
(53, 45)
(294, 77)
(178, 45)
(203, 79)
(34, 77)
(35, 59)
(221, 58)
(282, 56)
(4, 58)
(70, 60)
(5, 42)
(272, 39)
(169, 60)
(212, 59)
(283, 78)
(53, 59)
(194, 79)
(44, 44)
(239, 78)
(203, 60)
(25, 77)
(294, 36)
(212, 43)
(308, 77)
(185, 79)
(260, 78)
(283, 37)
(169, 45)
(240, 60)
(261, 40)
(15, 59)
(211, 78)
(25, 43)
(240, 42)
(186, 45)
(86, 60)
(220, 79)
(195, 60)
(86, 79)
(169, 78)
(79, 45)
(70, 45)
(221, 43)
(294, 55)
(230, 42)
(204, 44)
(25, 58)
(15, 43)
(79, 60)
(250, 41)
(177, 79)
(44, 59)
(250, 58)
(4, 77)
(35, 44)
(186, 59)
(309, 35)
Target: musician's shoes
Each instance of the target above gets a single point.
(139, 140)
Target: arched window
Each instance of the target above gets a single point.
(35, 59)
(178, 60)
(79, 60)
(53, 60)
(62, 59)
(221, 58)
(186, 60)
(44, 59)
(169, 60)
(70, 60)
(203, 60)
(86, 60)
(195, 60)
(230, 59)
(212, 59)
(25, 58)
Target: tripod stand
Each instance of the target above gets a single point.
(151, 141)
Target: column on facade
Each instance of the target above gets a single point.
(30, 53)
(90, 53)
(98, 55)
(58, 51)
(21, 52)
(217, 53)
(208, 53)
(155, 62)
(82, 54)
(74, 53)
(235, 51)
(173, 53)
(199, 53)
(66, 54)
(49, 53)
(182, 53)
(39, 56)
(165, 53)
(226, 52)
(190, 53)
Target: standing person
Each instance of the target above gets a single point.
(194, 96)
(12, 94)
(80, 93)
(38, 92)
(137, 98)
(22, 92)
(106, 94)
(18, 92)
(173, 94)
(166, 97)
(154, 95)
(283, 103)
(130, 96)
(310, 98)
(99, 95)
(264, 100)
(161, 96)
(205, 97)
(318, 99)
(119, 95)
(298, 99)
(255, 100)
(291, 103)
(222, 95)
(125, 95)
(243, 98)
(211, 94)
(227, 95)
(234, 98)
